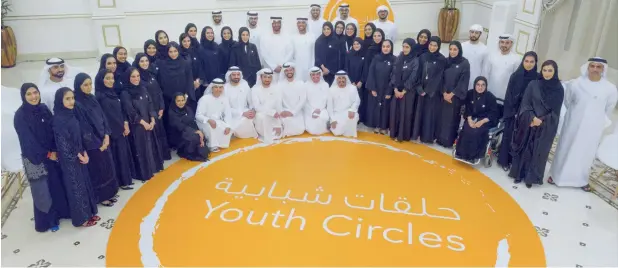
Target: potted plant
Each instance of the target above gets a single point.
(448, 21)
(9, 45)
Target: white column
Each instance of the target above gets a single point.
(502, 18)
(107, 21)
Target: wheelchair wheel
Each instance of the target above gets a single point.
(487, 161)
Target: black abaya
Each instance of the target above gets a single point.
(245, 56)
(404, 77)
(473, 141)
(225, 51)
(354, 63)
(209, 53)
(175, 75)
(379, 80)
(183, 133)
(531, 145)
(327, 53)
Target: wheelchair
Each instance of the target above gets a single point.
(493, 145)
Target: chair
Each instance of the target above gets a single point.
(608, 155)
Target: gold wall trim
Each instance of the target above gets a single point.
(117, 27)
(524, 10)
(521, 33)
(113, 5)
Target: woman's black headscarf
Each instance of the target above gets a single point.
(551, 90)
(192, 51)
(145, 74)
(436, 54)
(149, 42)
(227, 43)
(360, 51)
(377, 47)
(133, 90)
(523, 75)
(162, 49)
(122, 66)
(206, 44)
(349, 40)
(64, 115)
(104, 61)
(381, 55)
(174, 108)
(422, 48)
(88, 101)
(36, 118)
(341, 36)
(332, 38)
(189, 26)
(101, 88)
(407, 58)
(459, 58)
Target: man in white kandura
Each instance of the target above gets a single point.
(213, 116)
(294, 97)
(276, 48)
(389, 27)
(343, 14)
(499, 66)
(316, 113)
(304, 50)
(217, 25)
(588, 99)
(254, 30)
(343, 102)
(55, 74)
(316, 22)
(476, 53)
(267, 102)
(238, 92)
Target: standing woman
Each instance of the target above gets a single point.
(190, 51)
(162, 40)
(404, 79)
(327, 53)
(480, 114)
(456, 81)
(120, 54)
(514, 93)
(150, 49)
(422, 42)
(184, 132)
(191, 30)
(354, 63)
(101, 164)
(141, 116)
(175, 75)
(71, 132)
(210, 58)
(109, 62)
(245, 56)
(33, 124)
(225, 50)
(370, 28)
(142, 65)
(349, 37)
(119, 126)
(339, 30)
(374, 49)
(431, 72)
(536, 126)
(380, 90)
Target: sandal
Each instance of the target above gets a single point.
(587, 188)
(54, 229)
(126, 187)
(551, 181)
(110, 204)
(90, 223)
(95, 218)
(113, 200)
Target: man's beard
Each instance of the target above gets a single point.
(235, 81)
(383, 18)
(58, 75)
(474, 38)
(291, 75)
(504, 49)
(341, 84)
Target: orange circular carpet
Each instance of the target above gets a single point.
(323, 201)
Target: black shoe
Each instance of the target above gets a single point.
(506, 168)
(518, 181)
(528, 185)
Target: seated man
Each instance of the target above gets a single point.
(316, 115)
(213, 116)
(238, 92)
(294, 97)
(266, 99)
(343, 102)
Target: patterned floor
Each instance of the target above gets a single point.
(577, 229)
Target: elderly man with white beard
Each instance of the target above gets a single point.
(343, 102)
(238, 92)
(316, 113)
(294, 97)
(213, 116)
(267, 102)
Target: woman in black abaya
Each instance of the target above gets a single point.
(354, 63)
(142, 65)
(514, 93)
(162, 40)
(480, 114)
(175, 75)
(33, 124)
(380, 89)
(536, 126)
(456, 80)
(245, 56)
(186, 135)
(108, 61)
(190, 51)
(120, 54)
(327, 53)
(431, 72)
(150, 49)
(225, 49)
(404, 81)
(72, 132)
(349, 37)
(422, 42)
(101, 166)
(340, 30)
(119, 126)
(191, 30)
(210, 57)
(141, 115)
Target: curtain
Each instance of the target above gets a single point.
(575, 30)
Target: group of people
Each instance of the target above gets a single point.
(194, 96)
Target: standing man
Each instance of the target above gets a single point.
(389, 27)
(276, 48)
(316, 22)
(499, 66)
(475, 52)
(238, 92)
(252, 24)
(267, 102)
(304, 43)
(294, 96)
(588, 99)
(217, 25)
(55, 74)
(343, 14)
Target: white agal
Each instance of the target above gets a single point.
(341, 101)
(294, 97)
(217, 109)
(240, 102)
(267, 103)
